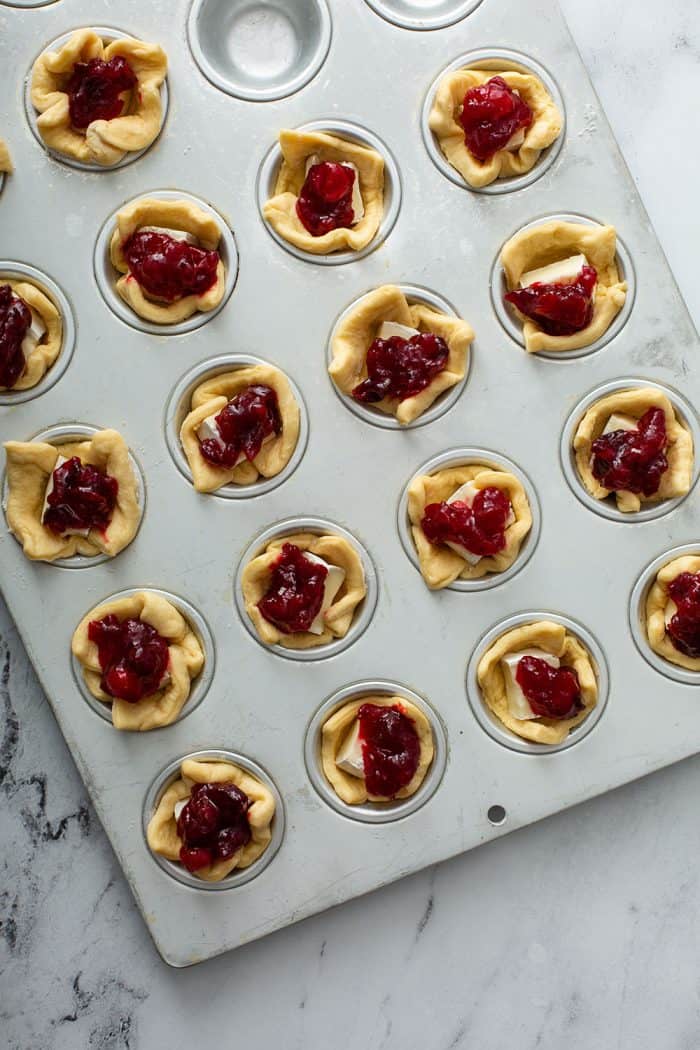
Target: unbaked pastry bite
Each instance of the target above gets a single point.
(329, 194)
(376, 749)
(467, 522)
(215, 818)
(140, 655)
(493, 124)
(632, 445)
(99, 100)
(5, 159)
(78, 497)
(242, 425)
(167, 253)
(396, 356)
(304, 590)
(31, 333)
(539, 681)
(672, 612)
(563, 283)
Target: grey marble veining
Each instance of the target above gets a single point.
(579, 932)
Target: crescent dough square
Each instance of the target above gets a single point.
(49, 347)
(675, 481)
(280, 209)
(210, 397)
(184, 648)
(30, 464)
(103, 142)
(335, 550)
(5, 159)
(353, 790)
(162, 833)
(552, 638)
(356, 333)
(174, 215)
(550, 242)
(441, 566)
(444, 123)
(655, 611)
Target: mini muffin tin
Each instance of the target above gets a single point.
(438, 238)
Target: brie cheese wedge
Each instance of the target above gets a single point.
(179, 806)
(555, 273)
(619, 421)
(466, 494)
(332, 584)
(177, 235)
(358, 206)
(49, 489)
(515, 141)
(349, 757)
(35, 333)
(208, 430)
(392, 330)
(518, 703)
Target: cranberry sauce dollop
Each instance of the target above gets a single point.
(558, 309)
(244, 423)
(95, 88)
(401, 368)
(167, 268)
(325, 200)
(684, 627)
(480, 528)
(133, 657)
(491, 114)
(15, 319)
(213, 824)
(633, 460)
(390, 748)
(552, 692)
(295, 595)
(82, 497)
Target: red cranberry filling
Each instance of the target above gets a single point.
(95, 88)
(325, 199)
(400, 367)
(295, 595)
(684, 627)
(558, 309)
(552, 692)
(133, 657)
(169, 269)
(390, 748)
(82, 497)
(244, 423)
(213, 825)
(491, 114)
(633, 460)
(15, 319)
(480, 528)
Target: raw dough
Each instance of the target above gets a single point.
(210, 397)
(5, 159)
(49, 347)
(657, 599)
(552, 638)
(103, 142)
(356, 333)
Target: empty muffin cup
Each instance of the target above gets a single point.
(416, 14)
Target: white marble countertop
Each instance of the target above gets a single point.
(580, 932)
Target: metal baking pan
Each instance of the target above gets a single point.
(368, 65)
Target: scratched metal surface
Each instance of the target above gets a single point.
(283, 309)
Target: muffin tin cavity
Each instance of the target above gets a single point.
(637, 616)
(363, 613)
(21, 272)
(178, 407)
(237, 878)
(200, 684)
(107, 33)
(416, 14)
(607, 508)
(61, 434)
(494, 727)
(26, 3)
(461, 457)
(506, 314)
(496, 59)
(261, 50)
(374, 812)
(106, 275)
(267, 179)
(442, 404)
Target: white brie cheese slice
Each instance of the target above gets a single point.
(35, 334)
(177, 235)
(619, 421)
(349, 757)
(60, 460)
(555, 273)
(358, 205)
(467, 494)
(518, 704)
(515, 141)
(208, 430)
(332, 584)
(392, 330)
(179, 806)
